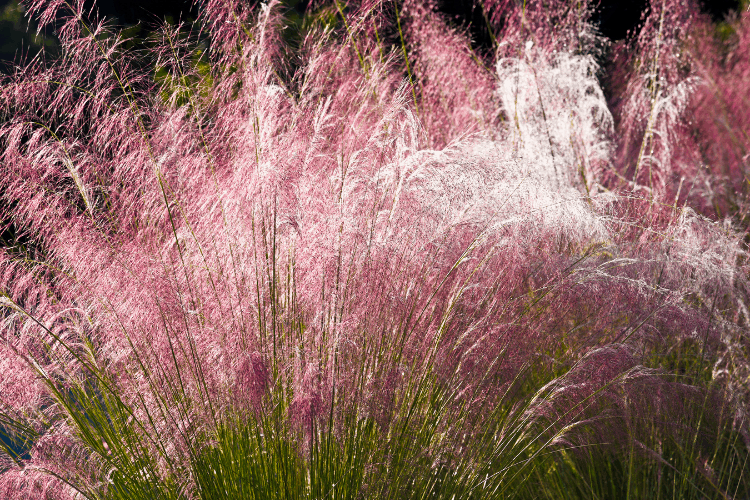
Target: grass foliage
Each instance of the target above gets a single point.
(349, 255)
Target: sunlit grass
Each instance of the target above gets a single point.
(355, 262)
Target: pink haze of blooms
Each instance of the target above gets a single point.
(271, 220)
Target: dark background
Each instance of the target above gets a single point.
(17, 38)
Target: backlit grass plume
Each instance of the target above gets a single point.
(354, 257)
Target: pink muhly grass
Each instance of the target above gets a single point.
(454, 85)
(657, 92)
(678, 111)
(720, 112)
(321, 246)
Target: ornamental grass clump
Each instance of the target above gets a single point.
(353, 257)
